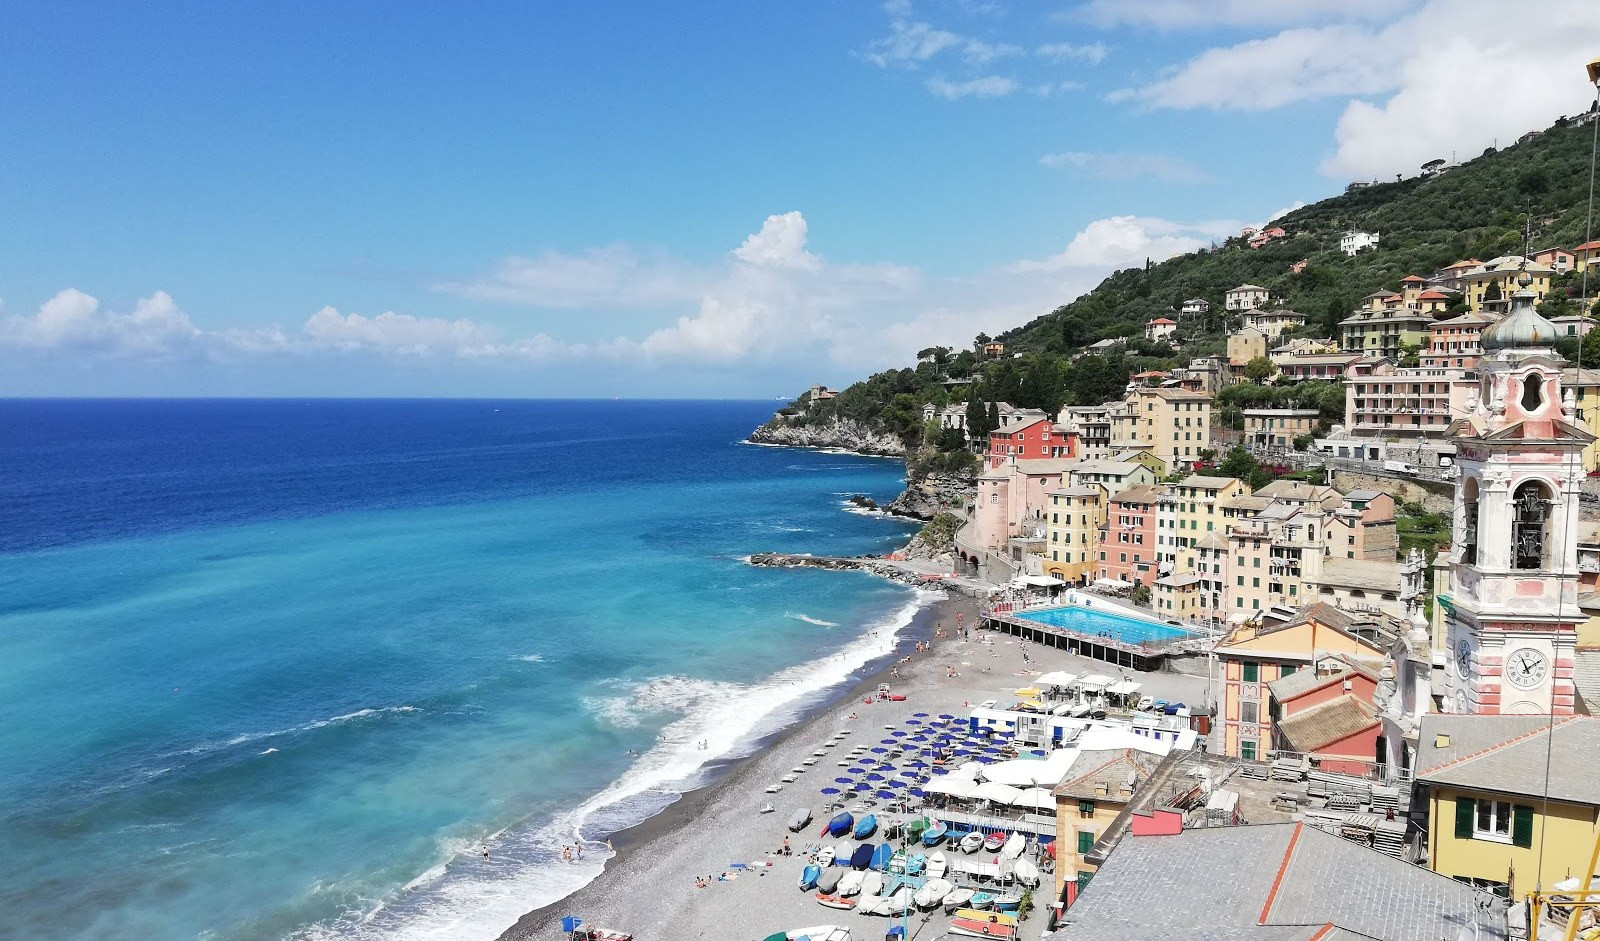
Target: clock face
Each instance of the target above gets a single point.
(1526, 668)
(1464, 657)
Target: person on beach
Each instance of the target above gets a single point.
(579, 847)
(566, 854)
(787, 850)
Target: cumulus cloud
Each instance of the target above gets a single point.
(1209, 14)
(988, 86)
(909, 44)
(1092, 53)
(74, 320)
(781, 243)
(1126, 241)
(1115, 166)
(616, 276)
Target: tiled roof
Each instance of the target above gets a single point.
(1364, 574)
(1299, 880)
(1326, 723)
(1111, 768)
(1143, 493)
(1509, 753)
(1206, 483)
(1294, 490)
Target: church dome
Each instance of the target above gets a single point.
(1521, 328)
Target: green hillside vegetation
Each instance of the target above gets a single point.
(1477, 210)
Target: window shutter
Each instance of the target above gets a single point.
(1521, 825)
(1466, 810)
(1085, 841)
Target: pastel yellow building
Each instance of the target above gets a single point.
(1488, 287)
(1102, 783)
(1198, 511)
(1245, 345)
(1494, 818)
(1585, 384)
(1072, 530)
(1173, 423)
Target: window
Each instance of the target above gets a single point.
(1247, 750)
(1085, 841)
(1085, 808)
(1284, 669)
(1495, 821)
(1249, 712)
(1252, 672)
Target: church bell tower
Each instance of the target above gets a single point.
(1512, 605)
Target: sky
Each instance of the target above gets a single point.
(677, 200)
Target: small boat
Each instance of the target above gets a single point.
(841, 853)
(1026, 872)
(809, 876)
(850, 883)
(935, 834)
(897, 862)
(841, 823)
(994, 841)
(915, 828)
(957, 898)
(1008, 901)
(1013, 847)
(871, 883)
(828, 882)
(881, 857)
(937, 866)
(865, 826)
(861, 858)
(819, 933)
(931, 894)
(835, 901)
(898, 902)
(972, 842)
(981, 928)
(915, 864)
(981, 900)
(993, 918)
(824, 856)
(799, 819)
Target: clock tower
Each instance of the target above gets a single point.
(1512, 608)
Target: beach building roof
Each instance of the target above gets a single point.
(1301, 882)
(1494, 753)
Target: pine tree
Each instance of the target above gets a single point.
(994, 417)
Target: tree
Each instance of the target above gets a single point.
(977, 419)
(1303, 442)
(994, 416)
(1492, 292)
(979, 341)
(1410, 355)
(1239, 465)
(1589, 353)
(1140, 595)
(1259, 369)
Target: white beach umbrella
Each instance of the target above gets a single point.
(953, 786)
(999, 793)
(1014, 773)
(1037, 798)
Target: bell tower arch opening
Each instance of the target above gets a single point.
(1530, 527)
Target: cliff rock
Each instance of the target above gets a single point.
(843, 434)
(931, 495)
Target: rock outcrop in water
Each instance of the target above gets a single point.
(843, 433)
(928, 496)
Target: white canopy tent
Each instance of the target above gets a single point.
(1036, 581)
(951, 785)
(1036, 798)
(1123, 688)
(1055, 678)
(1094, 682)
(999, 793)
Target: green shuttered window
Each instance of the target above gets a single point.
(1466, 809)
(1521, 826)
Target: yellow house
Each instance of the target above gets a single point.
(1198, 511)
(1072, 531)
(1584, 254)
(1246, 345)
(1177, 596)
(1585, 384)
(1489, 286)
(1494, 819)
(1145, 456)
(1174, 424)
(1102, 783)
(1254, 654)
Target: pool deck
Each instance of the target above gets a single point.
(1147, 655)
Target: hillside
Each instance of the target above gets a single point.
(1477, 209)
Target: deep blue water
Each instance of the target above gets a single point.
(280, 669)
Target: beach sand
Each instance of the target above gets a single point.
(648, 889)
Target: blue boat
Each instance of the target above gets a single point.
(862, 857)
(981, 900)
(840, 824)
(915, 864)
(881, 857)
(866, 825)
(935, 834)
(809, 876)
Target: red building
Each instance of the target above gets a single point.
(1327, 712)
(1030, 440)
(1128, 540)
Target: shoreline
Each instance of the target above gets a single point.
(726, 779)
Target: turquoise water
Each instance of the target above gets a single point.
(1097, 622)
(283, 669)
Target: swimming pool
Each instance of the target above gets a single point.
(1094, 623)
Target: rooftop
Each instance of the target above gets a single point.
(1326, 723)
(1365, 574)
(1108, 774)
(1143, 493)
(1206, 483)
(1496, 753)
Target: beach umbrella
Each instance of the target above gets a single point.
(874, 776)
(830, 790)
(941, 770)
(946, 715)
(918, 792)
(898, 733)
(886, 794)
(889, 741)
(879, 751)
(842, 781)
(918, 764)
(920, 715)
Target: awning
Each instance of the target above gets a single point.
(1094, 681)
(1124, 688)
(1057, 678)
(1110, 583)
(1036, 581)
(1036, 797)
(1027, 692)
(999, 793)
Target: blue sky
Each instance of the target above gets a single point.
(642, 198)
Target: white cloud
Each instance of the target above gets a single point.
(988, 86)
(1092, 53)
(613, 277)
(979, 52)
(1047, 89)
(1209, 14)
(781, 243)
(909, 44)
(1123, 166)
(1124, 241)
(73, 320)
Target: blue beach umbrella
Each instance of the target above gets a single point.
(842, 781)
(885, 794)
(918, 792)
(880, 751)
(874, 776)
(946, 715)
(890, 741)
(899, 733)
(920, 715)
(830, 790)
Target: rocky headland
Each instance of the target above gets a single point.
(842, 434)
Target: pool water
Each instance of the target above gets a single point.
(1096, 622)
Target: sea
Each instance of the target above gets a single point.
(287, 669)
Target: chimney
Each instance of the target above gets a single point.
(1441, 740)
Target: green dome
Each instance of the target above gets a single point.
(1522, 327)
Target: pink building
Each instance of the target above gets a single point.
(1327, 712)
(1128, 541)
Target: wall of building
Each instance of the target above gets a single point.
(1435, 496)
(1565, 838)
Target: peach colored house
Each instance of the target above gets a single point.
(1013, 498)
(1127, 550)
(1558, 259)
(1453, 343)
(1327, 712)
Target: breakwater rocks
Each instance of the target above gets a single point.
(875, 565)
(928, 496)
(840, 434)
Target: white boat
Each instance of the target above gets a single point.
(931, 893)
(1008, 900)
(937, 865)
(1026, 872)
(825, 856)
(972, 842)
(871, 883)
(1014, 846)
(956, 898)
(820, 933)
(850, 883)
(898, 902)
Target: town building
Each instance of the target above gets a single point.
(1114, 476)
(1211, 574)
(1198, 512)
(1586, 385)
(1585, 254)
(1161, 328)
(1255, 653)
(1305, 367)
(1275, 429)
(1091, 424)
(1077, 514)
(1355, 240)
(1370, 585)
(1196, 307)
(1450, 278)
(1172, 423)
(993, 349)
(1299, 266)
(1385, 328)
(1245, 345)
(1102, 783)
(1274, 323)
(1263, 236)
(1204, 374)
(1488, 288)
(1268, 882)
(1388, 400)
(1573, 325)
(1326, 712)
(1510, 799)
(1245, 297)
(1512, 604)
(1453, 343)
(1127, 544)
(1558, 260)
(1029, 438)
